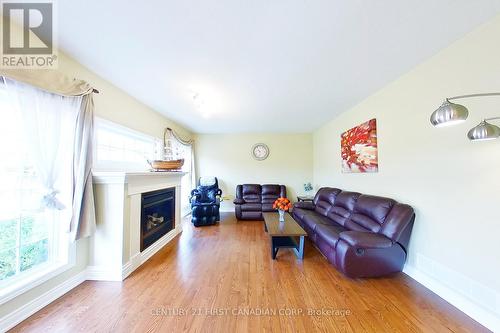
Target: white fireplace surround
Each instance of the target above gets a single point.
(115, 247)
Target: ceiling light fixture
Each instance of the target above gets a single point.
(484, 131)
(451, 114)
(200, 104)
(198, 101)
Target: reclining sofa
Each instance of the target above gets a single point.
(253, 199)
(361, 235)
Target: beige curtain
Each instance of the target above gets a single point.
(49, 80)
(186, 142)
(82, 223)
(83, 220)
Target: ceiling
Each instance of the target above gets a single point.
(225, 66)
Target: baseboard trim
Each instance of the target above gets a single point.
(28, 309)
(99, 273)
(140, 258)
(477, 312)
(128, 268)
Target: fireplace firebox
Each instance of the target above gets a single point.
(157, 215)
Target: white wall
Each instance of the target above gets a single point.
(452, 183)
(228, 157)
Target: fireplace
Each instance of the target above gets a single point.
(157, 215)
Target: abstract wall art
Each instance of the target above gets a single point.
(359, 148)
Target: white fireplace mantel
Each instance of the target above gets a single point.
(115, 247)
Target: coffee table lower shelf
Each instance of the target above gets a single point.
(286, 234)
(295, 243)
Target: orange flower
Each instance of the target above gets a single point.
(282, 203)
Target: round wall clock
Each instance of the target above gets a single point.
(260, 151)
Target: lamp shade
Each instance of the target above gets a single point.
(449, 114)
(484, 131)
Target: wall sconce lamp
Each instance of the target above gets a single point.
(451, 114)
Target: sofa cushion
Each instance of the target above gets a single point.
(324, 199)
(300, 212)
(272, 189)
(304, 205)
(252, 193)
(369, 213)
(269, 199)
(270, 193)
(359, 222)
(251, 215)
(322, 207)
(312, 219)
(343, 206)
(376, 208)
(367, 240)
(329, 233)
(268, 207)
(251, 207)
(327, 194)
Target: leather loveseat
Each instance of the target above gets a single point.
(361, 235)
(253, 199)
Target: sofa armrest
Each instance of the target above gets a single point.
(238, 201)
(366, 240)
(366, 254)
(283, 191)
(304, 205)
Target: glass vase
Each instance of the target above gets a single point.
(281, 213)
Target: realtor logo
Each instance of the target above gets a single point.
(28, 35)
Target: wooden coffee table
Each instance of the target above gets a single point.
(288, 234)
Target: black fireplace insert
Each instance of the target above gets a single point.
(157, 215)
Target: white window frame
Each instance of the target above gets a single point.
(61, 260)
(103, 165)
(32, 278)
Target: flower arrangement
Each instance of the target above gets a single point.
(282, 205)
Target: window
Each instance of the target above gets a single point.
(121, 148)
(30, 236)
(118, 147)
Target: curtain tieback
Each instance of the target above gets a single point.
(51, 201)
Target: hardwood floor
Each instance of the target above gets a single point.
(222, 279)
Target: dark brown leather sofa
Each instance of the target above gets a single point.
(361, 235)
(253, 199)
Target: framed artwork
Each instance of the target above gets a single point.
(359, 148)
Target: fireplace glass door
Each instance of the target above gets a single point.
(158, 215)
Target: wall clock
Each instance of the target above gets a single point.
(260, 151)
